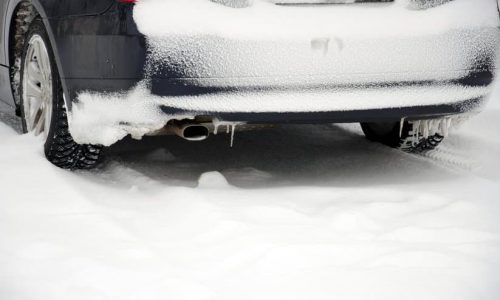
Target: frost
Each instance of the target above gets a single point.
(235, 3)
(267, 45)
(263, 19)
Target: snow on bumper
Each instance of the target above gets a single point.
(272, 45)
(269, 58)
(106, 118)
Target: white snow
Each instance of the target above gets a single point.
(263, 18)
(268, 45)
(294, 212)
(299, 212)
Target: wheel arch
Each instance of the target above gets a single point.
(13, 54)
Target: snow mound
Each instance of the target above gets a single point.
(211, 180)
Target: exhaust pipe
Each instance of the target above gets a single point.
(191, 131)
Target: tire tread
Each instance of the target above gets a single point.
(60, 148)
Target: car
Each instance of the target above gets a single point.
(84, 74)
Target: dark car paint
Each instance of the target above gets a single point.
(3, 11)
(47, 9)
(5, 91)
(103, 52)
(95, 42)
(4, 71)
(67, 8)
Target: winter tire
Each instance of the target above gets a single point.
(404, 138)
(43, 110)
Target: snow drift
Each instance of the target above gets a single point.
(285, 214)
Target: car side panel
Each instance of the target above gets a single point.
(51, 11)
(113, 48)
(5, 91)
(114, 56)
(3, 8)
(66, 8)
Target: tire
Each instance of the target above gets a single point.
(392, 135)
(60, 148)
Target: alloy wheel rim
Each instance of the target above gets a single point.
(37, 87)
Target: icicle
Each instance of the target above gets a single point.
(416, 130)
(417, 133)
(443, 130)
(233, 129)
(425, 129)
(230, 127)
(216, 123)
(436, 127)
(448, 125)
(401, 125)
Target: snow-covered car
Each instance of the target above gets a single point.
(87, 73)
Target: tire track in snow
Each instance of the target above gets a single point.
(451, 158)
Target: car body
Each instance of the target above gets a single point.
(130, 68)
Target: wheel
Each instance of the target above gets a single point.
(408, 138)
(43, 110)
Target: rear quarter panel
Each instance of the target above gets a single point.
(49, 11)
(65, 8)
(3, 10)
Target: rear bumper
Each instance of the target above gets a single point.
(338, 105)
(302, 64)
(215, 63)
(276, 46)
(140, 113)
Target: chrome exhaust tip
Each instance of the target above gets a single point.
(192, 132)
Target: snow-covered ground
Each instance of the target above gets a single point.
(298, 212)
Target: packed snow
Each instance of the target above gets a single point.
(295, 212)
